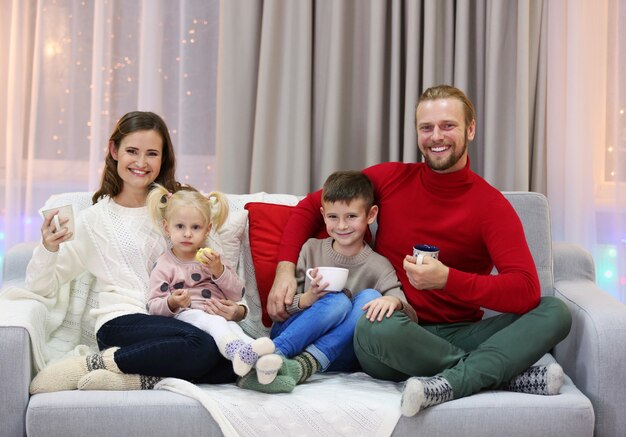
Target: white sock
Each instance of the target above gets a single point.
(420, 393)
(267, 368)
(102, 379)
(229, 345)
(65, 374)
(248, 355)
(537, 380)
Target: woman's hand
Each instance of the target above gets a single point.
(226, 308)
(178, 299)
(282, 292)
(382, 307)
(50, 237)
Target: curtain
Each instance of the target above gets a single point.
(585, 128)
(308, 87)
(273, 95)
(69, 69)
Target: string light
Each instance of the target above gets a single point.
(67, 52)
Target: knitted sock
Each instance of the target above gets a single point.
(65, 374)
(248, 355)
(308, 366)
(420, 393)
(102, 379)
(267, 368)
(229, 346)
(537, 380)
(280, 384)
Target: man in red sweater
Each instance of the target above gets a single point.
(452, 352)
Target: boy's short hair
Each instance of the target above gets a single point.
(348, 185)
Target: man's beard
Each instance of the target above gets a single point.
(450, 161)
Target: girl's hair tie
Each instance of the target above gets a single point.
(165, 197)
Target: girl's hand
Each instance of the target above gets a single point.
(226, 308)
(50, 237)
(382, 307)
(178, 299)
(213, 262)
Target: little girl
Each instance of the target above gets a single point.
(188, 280)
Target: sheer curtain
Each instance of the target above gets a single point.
(69, 69)
(586, 132)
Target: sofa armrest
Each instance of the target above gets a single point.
(15, 377)
(15, 261)
(594, 352)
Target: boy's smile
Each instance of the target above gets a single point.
(347, 223)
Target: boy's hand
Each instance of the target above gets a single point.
(315, 292)
(382, 307)
(318, 285)
(178, 299)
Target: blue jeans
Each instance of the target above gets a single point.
(163, 346)
(325, 330)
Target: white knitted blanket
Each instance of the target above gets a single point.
(337, 404)
(57, 327)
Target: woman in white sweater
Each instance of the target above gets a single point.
(116, 241)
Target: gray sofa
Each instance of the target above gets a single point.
(591, 402)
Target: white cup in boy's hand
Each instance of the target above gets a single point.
(335, 276)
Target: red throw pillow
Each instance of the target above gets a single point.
(266, 222)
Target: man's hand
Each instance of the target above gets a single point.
(282, 292)
(432, 274)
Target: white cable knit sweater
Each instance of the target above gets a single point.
(117, 245)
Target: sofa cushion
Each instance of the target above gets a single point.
(227, 239)
(266, 224)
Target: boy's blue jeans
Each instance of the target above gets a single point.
(325, 330)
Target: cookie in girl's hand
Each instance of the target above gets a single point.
(201, 251)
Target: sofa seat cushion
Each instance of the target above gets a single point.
(500, 413)
(157, 413)
(118, 413)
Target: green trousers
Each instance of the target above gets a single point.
(470, 356)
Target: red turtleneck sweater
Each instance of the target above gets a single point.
(470, 221)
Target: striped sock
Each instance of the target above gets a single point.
(102, 379)
(308, 366)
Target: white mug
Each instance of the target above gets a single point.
(335, 276)
(422, 250)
